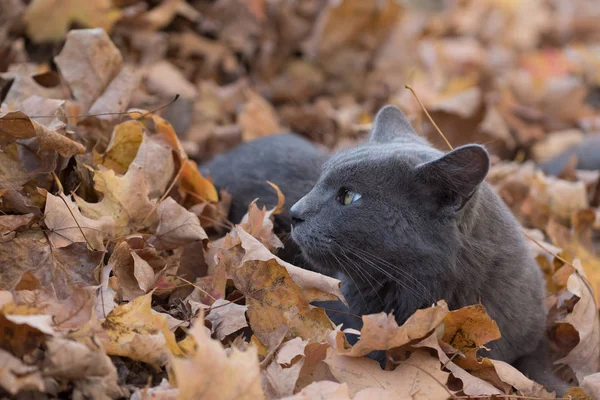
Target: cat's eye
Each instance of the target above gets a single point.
(346, 196)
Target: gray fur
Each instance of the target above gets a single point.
(426, 228)
(289, 161)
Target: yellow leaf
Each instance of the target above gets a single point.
(123, 147)
(212, 373)
(49, 20)
(134, 332)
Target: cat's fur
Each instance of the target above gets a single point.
(289, 161)
(426, 227)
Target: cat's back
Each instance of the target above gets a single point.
(287, 160)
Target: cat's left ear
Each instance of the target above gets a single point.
(451, 180)
(389, 124)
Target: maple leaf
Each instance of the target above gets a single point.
(125, 199)
(133, 331)
(48, 21)
(62, 269)
(226, 318)
(88, 62)
(176, 227)
(67, 225)
(419, 377)
(214, 373)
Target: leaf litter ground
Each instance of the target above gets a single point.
(120, 275)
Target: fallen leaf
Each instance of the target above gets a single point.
(16, 125)
(469, 328)
(134, 332)
(257, 118)
(160, 16)
(274, 299)
(419, 377)
(166, 80)
(125, 199)
(62, 269)
(591, 385)
(16, 376)
(47, 21)
(67, 225)
(381, 331)
(214, 373)
(226, 318)
(176, 227)
(87, 364)
(584, 359)
(88, 63)
(323, 390)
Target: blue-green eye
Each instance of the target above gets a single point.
(346, 197)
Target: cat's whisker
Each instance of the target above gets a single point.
(395, 269)
(410, 290)
(351, 278)
(361, 272)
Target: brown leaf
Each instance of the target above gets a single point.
(177, 227)
(9, 224)
(167, 81)
(17, 125)
(472, 385)
(118, 94)
(257, 118)
(226, 318)
(215, 373)
(85, 363)
(59, 268)
(67, 225)
(381, 331)
(125, 199)
(133, 331)
(419, 377)
(88, 62)
(68, 314)
(314, 285)
(584, 359)
(274, 299)
(160, 16)
(16, 376)
(469, 328)
(324, 390)
(47, 21)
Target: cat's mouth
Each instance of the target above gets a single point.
(315, 250)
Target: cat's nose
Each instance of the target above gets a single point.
(296, 214)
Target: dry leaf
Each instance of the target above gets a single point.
(15, 376)
(62, 269)
(125, 199)
(16, 125)
(257, 118)
(381, 331)
(67, 225)
(419, 377)
(226, 318)
(176, 227)
(584, 359)
(214, 373)
(48, 21)
(134, 332)
(88, 63)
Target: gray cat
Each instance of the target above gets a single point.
(405, 225)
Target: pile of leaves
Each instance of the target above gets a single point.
(120, 275)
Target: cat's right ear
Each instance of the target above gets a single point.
(389, 124)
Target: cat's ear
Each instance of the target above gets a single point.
(389, 124)
(451, 180)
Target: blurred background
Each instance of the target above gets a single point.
(521, 76)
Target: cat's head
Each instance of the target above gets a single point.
(393, 203)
